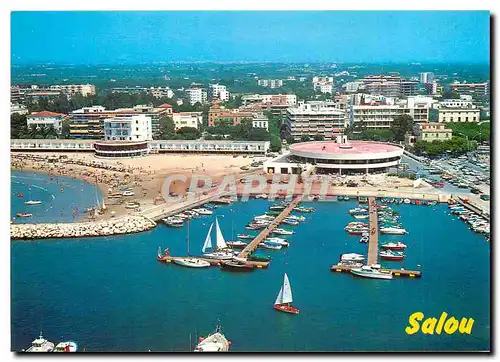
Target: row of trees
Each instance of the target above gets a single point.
(454, 146)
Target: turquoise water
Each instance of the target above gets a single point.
(110, 293)
(63, 198)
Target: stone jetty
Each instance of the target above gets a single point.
(123, 225)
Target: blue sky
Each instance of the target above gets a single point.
(299, 36)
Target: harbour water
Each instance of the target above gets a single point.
(110, 293)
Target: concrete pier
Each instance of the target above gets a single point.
(373, 238)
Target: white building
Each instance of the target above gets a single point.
(45, 119)
(187, 119)
(323, 84)
(287, 99)
(18, 108)
(318, 118)
(456, 103)
(218, 91)
(73, 89)
(270, 83)
(196, 95)
(352, 87)
(131, 128)
(259, 120)
(459, 115)
(161, 92)
(426, 77)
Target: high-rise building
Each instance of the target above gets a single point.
(218, 91)
(196, 95)
(323, 84)
(474, 89)
(270, 83)
(129, 128)
(426, 77)
(73, 89)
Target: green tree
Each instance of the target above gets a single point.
(304, 138)
(275, 144)
(18, 125)
(188, 133)
(401, 125)
(319, 137)
(450, 95)
(65, 128)
(50, 132)
(166, 128)
(290, 140)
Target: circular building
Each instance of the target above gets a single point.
(348, 157)
(121, 149)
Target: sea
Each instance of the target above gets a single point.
(111, 294)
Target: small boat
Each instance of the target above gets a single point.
(277, 207)
(255, 226)
(354, 231)
(184, 216)
(361, 216)
(406, 201)
(369, 272)
(290, 222)
(364, 239)
(346, 198)
(295, 217)
(236, 265)
(273, 213)
(278, 240)
(215, 342)
(24, 214)
(264, 218)
(304, 209)
(189, 261)
(281, 231)
(363, 200)
(351, 257)
(273, 242)
(284, 298)
(245, 236)
(265, 245)
(128, 193)
(132, 205)
(174, 222)
(40, 345)
(191, 213)
(393, 231)
(394, 246)
(221, 250)
(391, 255)
(237, 244)
(358, 210)
(203, 211)
(258, 257)
(69, 346)
(33, 202)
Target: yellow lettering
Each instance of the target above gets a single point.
(451, 325)
(442, 319)
(466, 328)
(414, 326)
(428, 326)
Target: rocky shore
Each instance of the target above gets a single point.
(123, 225)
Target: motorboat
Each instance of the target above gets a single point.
(304, 209)
(281, 231)
(214, 342)
(356, 231)
(221, 251)
(393, 231)
(40, 345)
(203, 211)
(370, 272)
(361, 216)
(33, 202)
(191, 213)
(394, 246)
(278, 240)
(245, 236)
(255, 226)
(295, 217)
(174, 222)
(237, 244)
(191, 262)
(184, 216)
(391, 255)
(364, 239)
(351, 257)
(358, 210)
(284, 299)
(265, 245)
(264, 218)
(290, 222)
(128, 193)
(272, 242)
(236, 265)
(258, 257)
(24, 214)
(277, 207)
(69, 346)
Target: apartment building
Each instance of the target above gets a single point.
(473, 89)
(433, 132)
(459, 115)
(196, 95)
(281, 99)
(45, 119)
(390, 85)
(218, 91)
(319, 118)
(187, 119)
(456, 103)
(129, 128)
(218, 115)
(74, 89)
(18, 108)
(426, 77)
(259, 120)
(323, 84)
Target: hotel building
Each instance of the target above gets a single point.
(45, 119)
(433, 132)
(196, 95)
(187, 119)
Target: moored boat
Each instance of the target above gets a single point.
(394, 246)
(258, 257)
(214, 342)
(203, 211)
(265, 245)
(391, 255)
(174, 222)
(236, 244)
(393, 231)
(24, 214)
(33, 202)
(221, 250)
(245, 236)
(40, 345)
(304, 209)
(351, 257)
(369, 272)
(284, 298)
(280, 231)
(69, 346)
(236, 265)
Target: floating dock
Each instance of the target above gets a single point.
(373, 238)
(395, 272)
(268, 230)
(214, 262)
(373, 247)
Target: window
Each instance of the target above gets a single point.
(137, 128)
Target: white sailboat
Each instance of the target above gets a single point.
(191, 262)
(284, 298)
(32, 202)
(221, 251)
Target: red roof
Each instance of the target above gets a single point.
(165, 105)
(46, 114)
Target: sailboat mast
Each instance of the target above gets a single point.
(188, 235)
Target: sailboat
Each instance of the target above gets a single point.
(32, 202)
(285, 298)
(191, 262)
(221, 250)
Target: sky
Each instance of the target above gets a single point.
(134, 37)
